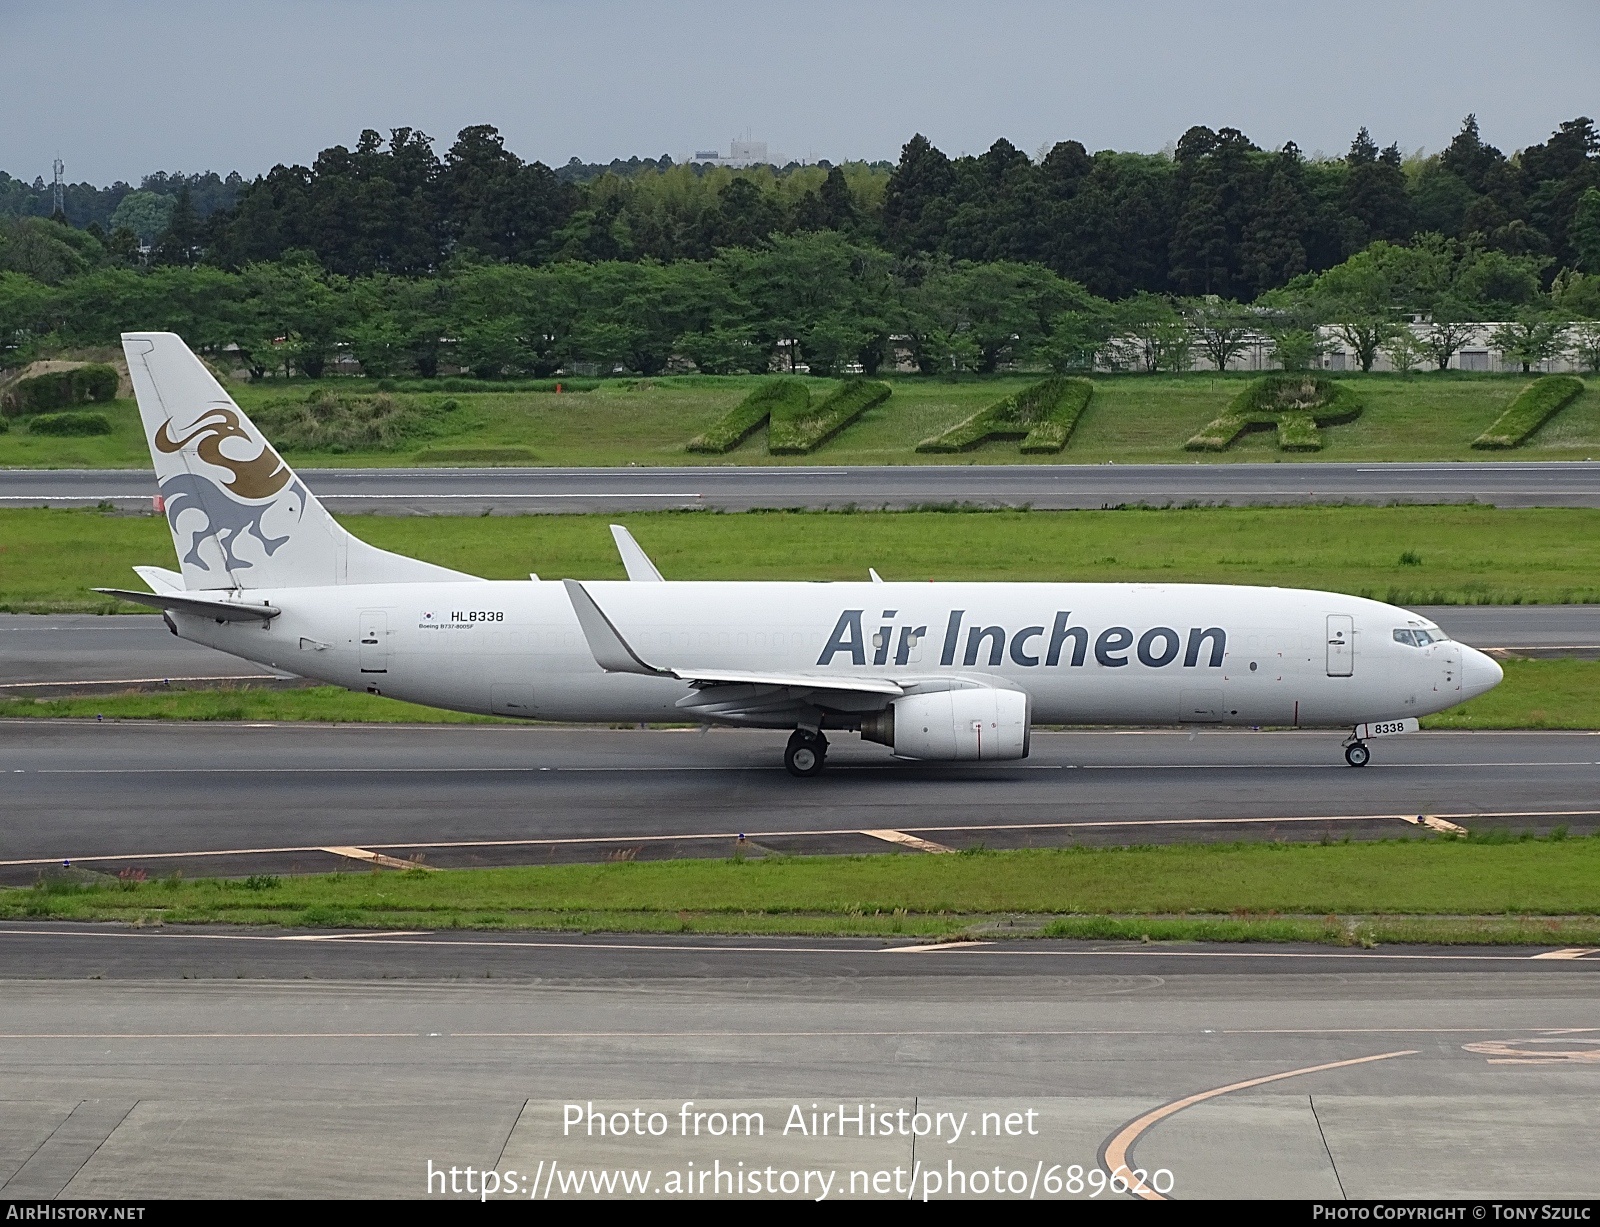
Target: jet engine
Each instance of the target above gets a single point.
(954, 725)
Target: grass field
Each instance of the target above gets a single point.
(1536, 694)
(1463, 890)
(1132, 418)
(49, 559)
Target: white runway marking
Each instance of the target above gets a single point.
(376, 858)
(687, 837)
(989, 950)
(722, 835)
(1572, 952)
(908, 841)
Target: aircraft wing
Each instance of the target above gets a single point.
(205, 607)
(614, 654)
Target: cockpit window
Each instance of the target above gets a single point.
(1418, 638)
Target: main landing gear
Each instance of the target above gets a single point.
(805, 754)
(1357, 754)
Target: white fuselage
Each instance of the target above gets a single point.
(1084, 653)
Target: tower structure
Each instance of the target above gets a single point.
(59, 188)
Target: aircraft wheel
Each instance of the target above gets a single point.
(805, 754)
(1357, 754)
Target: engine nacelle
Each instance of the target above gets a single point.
(954, 725)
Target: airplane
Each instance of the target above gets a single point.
(942, 672)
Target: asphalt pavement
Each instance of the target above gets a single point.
(213, 799)
(509, 491)
(203, 1063)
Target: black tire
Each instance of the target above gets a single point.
(1357, 754)
(805, 755)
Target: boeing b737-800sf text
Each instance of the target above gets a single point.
(935, 671)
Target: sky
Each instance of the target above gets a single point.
(120, 89)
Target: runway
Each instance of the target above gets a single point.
(209, 1063)
(741, 488)
(49, 654)
(238, 799)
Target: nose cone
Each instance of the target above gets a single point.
(1479, 673)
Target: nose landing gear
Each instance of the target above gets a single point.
(1357, 754)
(805, 754)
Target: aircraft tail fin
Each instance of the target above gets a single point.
(239, 516)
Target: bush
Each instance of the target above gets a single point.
(773, 398)
(462, 384)
(1535, 405)
(796, 433)
(326, 421)
(70, 425)
(93, 384)
(1294, 405)
(1042, 416)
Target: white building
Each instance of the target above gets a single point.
(1477, 353)
(741, 153)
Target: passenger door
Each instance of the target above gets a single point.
(1341, 645)
(373, 638)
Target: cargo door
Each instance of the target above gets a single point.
(1341, 645)
(374, 641)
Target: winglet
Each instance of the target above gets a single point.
(876, 578)
(610, 650)
(634, 560)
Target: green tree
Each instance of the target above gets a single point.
(1222, 329)
(145, 213)
(1077, 338)
(1148, 333)
(297, 314)
(1584, 232)
(722, 350)
(47, 251)
(1375, 196)
(1403, 349)
(1295, 349)
(1583, 343)
(1004, 308)
(916, 204)
(1272, 248)
(25, 315)
(180, 242)
(1451, 326)
(1361, 301)
(1532, 337)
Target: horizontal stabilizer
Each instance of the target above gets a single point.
(160, 579)
(222, 611)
